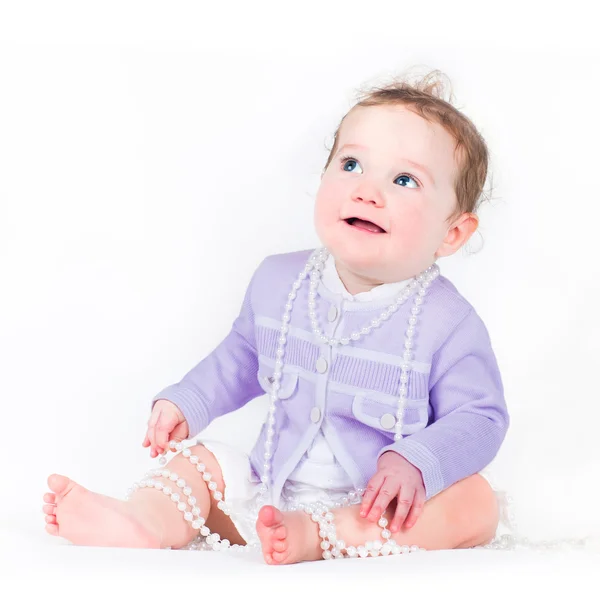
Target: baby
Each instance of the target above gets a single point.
(386, 400)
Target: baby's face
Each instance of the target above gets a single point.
(380, 184)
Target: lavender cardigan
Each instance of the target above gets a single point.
(455, 416)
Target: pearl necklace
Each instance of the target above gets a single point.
(319, 511)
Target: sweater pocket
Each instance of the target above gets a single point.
(379, 412)
(288, 381)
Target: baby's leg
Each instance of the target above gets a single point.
(149, 519)
(462, 516)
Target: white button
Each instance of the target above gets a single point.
(388, 421)
(315, 414)
(321, 365)
(332, 314)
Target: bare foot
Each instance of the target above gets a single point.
(287, 538)
(88, 519)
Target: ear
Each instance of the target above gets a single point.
(458, 234)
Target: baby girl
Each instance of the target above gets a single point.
(385, 397)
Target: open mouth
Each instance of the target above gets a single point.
(363, 225)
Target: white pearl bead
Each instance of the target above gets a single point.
(181, 506)
(175, 497)
(180, 483)
(173, 477)
(178, 446)
(192, 500)
(382, 522)
(196, 511)
(206, 476)
(212, 486)
(167, 491)
(194, 459)
(187, 452)
(188, 516)
(204, 531)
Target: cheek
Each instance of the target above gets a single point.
(327, 204)
(412, 228)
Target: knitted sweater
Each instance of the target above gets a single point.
(455, 416)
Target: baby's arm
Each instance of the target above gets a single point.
(470, 417)
(223, 381)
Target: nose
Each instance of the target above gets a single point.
(369, 193)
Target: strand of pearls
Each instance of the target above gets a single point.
(206, 537)
(331, 545)
(336, 548)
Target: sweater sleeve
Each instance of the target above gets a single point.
(223, 381)
(469, 418)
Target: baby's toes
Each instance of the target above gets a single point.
(49, 509)
(280, 545)
(52, 529)
(51, 519)
(50, 498)
(280, 557)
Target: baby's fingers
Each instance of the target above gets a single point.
(388, 490)
(161, 433)
(405, 501)
(416, 508)
(370, 493)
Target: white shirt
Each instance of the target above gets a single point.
(318, 467)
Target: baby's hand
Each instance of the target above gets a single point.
(395, 477)
(166, 423)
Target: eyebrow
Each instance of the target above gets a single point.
(414, 164)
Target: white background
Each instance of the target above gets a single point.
(151, 155)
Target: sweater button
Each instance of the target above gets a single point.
(321, 365)
(388, 421)
(315, 414)
(332, 314)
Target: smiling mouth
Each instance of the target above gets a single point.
(364, 225)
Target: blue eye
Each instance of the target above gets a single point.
(348, 161)
(407, 176)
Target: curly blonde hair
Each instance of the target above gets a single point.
(425, 98)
